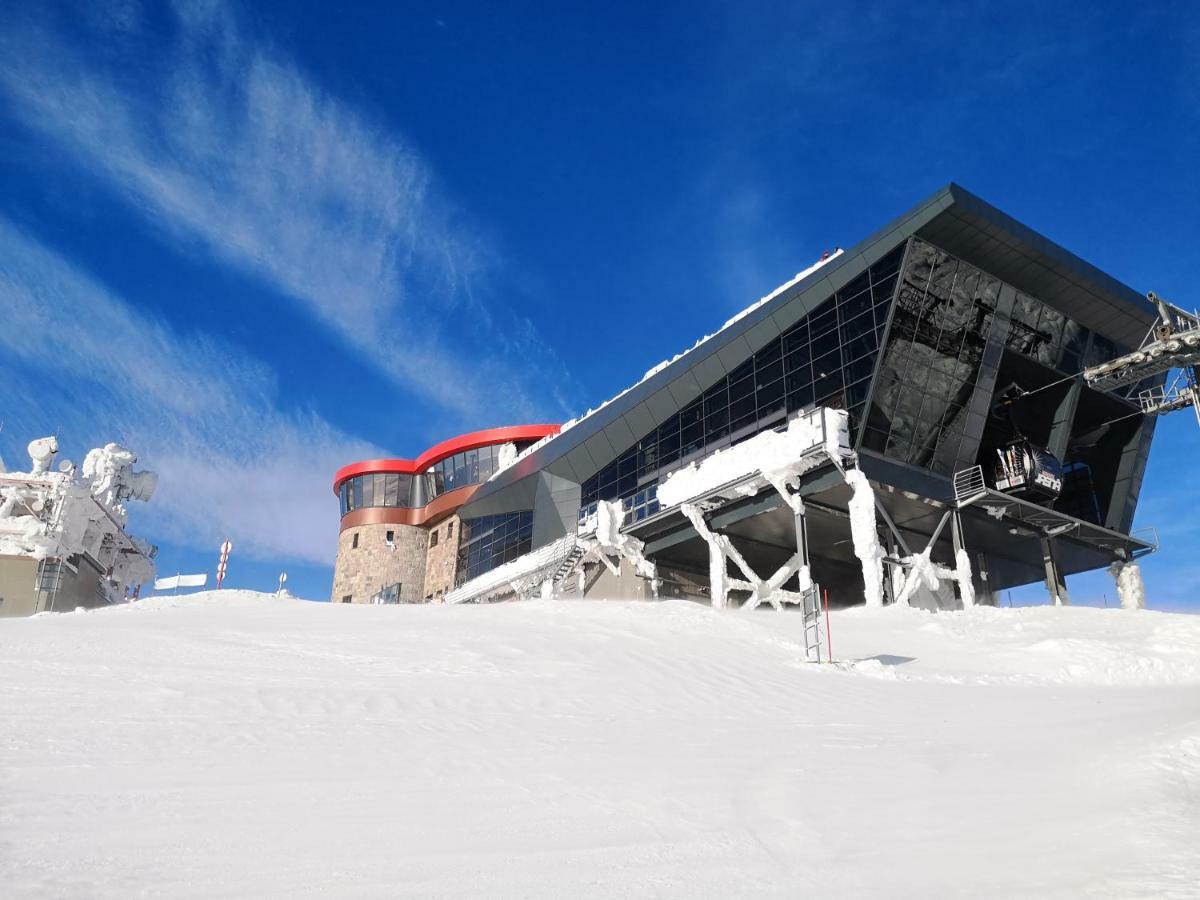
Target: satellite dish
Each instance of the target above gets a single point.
(38, 505)
(66, 467)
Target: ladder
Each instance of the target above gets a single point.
(810, 602)
(49, 578)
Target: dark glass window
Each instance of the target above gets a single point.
(490, 541)
(940, 327)
(780, 378)
(462, 469)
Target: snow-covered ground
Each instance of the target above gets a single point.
(237, 745)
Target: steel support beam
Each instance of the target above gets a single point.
(1056, 584)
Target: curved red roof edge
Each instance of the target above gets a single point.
(446, 448)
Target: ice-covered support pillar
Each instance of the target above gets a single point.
(922, 572)
(721, 551)
(962, 563)
(1130, 589)
(1056, 584)
(864, 532)
(718, 573)
(985, 597)
(610, 516)
(799, 563)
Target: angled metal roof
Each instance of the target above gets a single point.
(984, 236)
(952, 218)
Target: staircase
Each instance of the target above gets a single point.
(569, 564)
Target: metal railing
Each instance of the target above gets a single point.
(968, 483)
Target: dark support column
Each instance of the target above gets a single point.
(802, 534)
(956, 538)
(984, 595)
(1056, 584)
(883, 514)
(1064, 418)
(1129, 477)
(985, 385)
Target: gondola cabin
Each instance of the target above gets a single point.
(1026, 470)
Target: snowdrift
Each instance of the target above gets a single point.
(236, 744)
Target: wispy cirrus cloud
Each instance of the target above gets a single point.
(226, 144)
(79, 361)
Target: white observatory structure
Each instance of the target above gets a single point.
(63, 542)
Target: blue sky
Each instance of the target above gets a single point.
(257, 242)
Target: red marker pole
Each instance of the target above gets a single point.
(225, 548)
(828, 636)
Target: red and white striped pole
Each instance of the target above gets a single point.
(225, 548)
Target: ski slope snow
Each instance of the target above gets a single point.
(237, 745)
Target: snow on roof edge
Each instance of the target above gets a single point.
(666, 363)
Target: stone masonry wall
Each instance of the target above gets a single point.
(442, 559)
(361, 571)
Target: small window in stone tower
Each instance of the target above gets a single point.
(449, 530)
(346, 598)
(354, 541)
(391, 537)
(433, 538)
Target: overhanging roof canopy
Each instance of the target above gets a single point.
(952, 218)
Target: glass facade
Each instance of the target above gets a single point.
(636, 507)
(944, 314)
(1049, 337)
(827, 359)
(489, 541)
(379, 489)
(412, 491)
(460, 470)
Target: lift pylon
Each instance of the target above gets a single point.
(1171, 345)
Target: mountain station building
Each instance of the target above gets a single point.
(951, 345)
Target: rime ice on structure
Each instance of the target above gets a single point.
(962, 574)
(1130, 588)
(777, 458)
(610, 540)
(66, 515)
(540, 573)
(865, 534)
(923, 572)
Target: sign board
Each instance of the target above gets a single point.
(175, 582)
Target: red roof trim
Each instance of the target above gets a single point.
(438, 452)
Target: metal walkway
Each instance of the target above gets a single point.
(970, 489)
